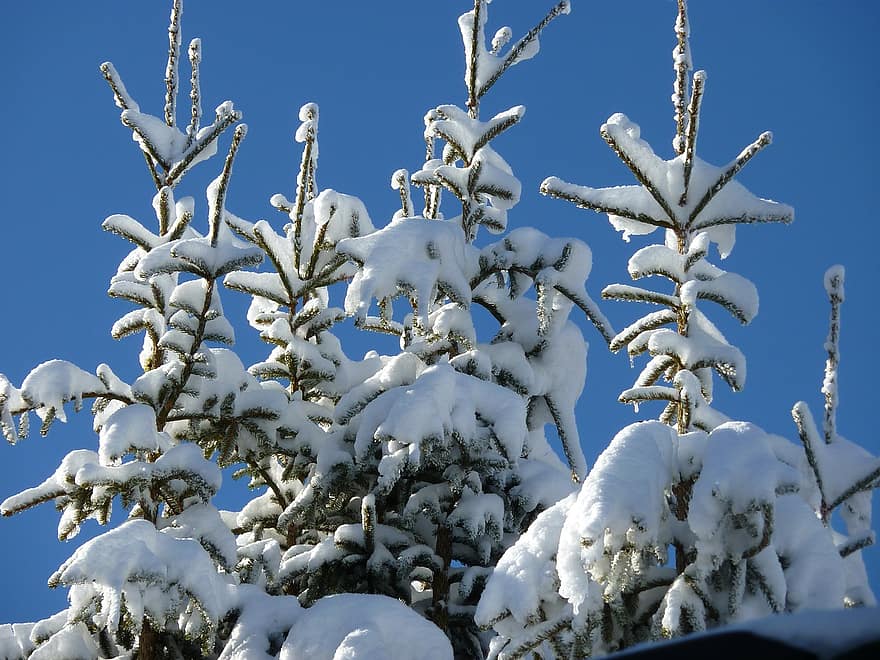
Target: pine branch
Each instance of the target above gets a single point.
(171, 67)
(221, 123)
(682, 64)
(580, 196)
(473, 100)
(195, 94)
(400, 182)
(834, 286)
(854, 544)
(693, 128)
(640, 176)
(517, 49)
(592, 312)
(304, 181)
(744, 219)
(744, 157)
(637, 294)
(219, 202)
(868, 482)
(807, 431)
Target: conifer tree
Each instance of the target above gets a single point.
(435, 459)
(410, 504)
(693, 521)
(403, 475)
(160, 584)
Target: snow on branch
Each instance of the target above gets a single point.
(168, 151)
(483, 67)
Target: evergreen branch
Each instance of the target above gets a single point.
(646, 323)
(868, 482)
(744, 219)
(180, 224)
(585, 303)
(834, 287)
(120, 93)
(44, 496)
(520, 46)
(572, 452)
(176, 388)
(380, 325)
(400, 180)
(681, 61)
(640, 176)
(656, 367)
(717, 297)
(744, 157)
(854, 544)
(579, 196)
(195, 95)
(473, 99)
(806, 428)
(124, 101)
(219, 202)
(164, 210)
(171, 67)
(592, 312)
(490, 307)
(302, 186)
(261, 242)
(652, 393)
(637, 294)
(454, 145)
(693, 128)
(148, 147)
(452, 186)
(537, 635)
(220, 124)
(319, 241)
(496, 128)
(766, 532)
(105, 394)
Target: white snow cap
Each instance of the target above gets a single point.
(364, 627)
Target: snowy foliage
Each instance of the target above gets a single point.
(693, 521)
(410, 504)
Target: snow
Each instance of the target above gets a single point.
(130, 429)
(734, 449)
(622, 502)
(439, 406)
(52, 384)
(393, 262)
(151, 572)
(72, 642)
(525, 576)
(262, 621)
(363, 627)
(638, 210)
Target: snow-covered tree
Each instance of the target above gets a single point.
(406, 504)
(693, 521)
(404, 475)
(434, 460)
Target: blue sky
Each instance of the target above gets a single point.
(804, 69)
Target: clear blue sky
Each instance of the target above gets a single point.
(805, 69)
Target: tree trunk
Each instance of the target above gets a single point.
(440, 585)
